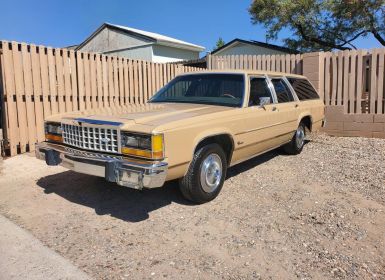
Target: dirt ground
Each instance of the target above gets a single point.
(317, 215)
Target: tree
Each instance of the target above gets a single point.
(219, 43)
(321, 24)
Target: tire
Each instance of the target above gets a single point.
(206, 174)
(295, 146)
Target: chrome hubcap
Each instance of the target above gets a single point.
(211, 173)
(300, 137)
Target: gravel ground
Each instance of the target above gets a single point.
(313, 216)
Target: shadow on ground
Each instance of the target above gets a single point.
(124, 203)
(108, 198)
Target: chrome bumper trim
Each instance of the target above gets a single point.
(126, 172)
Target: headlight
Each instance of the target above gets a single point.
(53, 131)
(142, 145)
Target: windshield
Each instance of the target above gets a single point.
(211, 89)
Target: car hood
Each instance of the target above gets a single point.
(145, 114)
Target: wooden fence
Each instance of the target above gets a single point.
(289, 63)
(354, 80)
(40, 81)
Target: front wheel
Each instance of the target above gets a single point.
(295, 146)
(206, 174)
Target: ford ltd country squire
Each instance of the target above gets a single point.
(192, 130)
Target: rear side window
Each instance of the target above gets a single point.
(303, 89)
(282, 91)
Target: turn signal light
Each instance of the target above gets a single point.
(53, 137)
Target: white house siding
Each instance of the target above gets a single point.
(110, 40)
(164, 54)
(142, 53)
(241, 48)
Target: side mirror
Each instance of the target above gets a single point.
(263, 101)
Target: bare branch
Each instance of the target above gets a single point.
(319, 41)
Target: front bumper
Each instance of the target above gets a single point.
(126, 172)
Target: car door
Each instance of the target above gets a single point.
(257, 131)
(287, 109)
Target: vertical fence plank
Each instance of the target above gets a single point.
(292, 63)
(340, 78)
(126, 82)
(135, 80)
(373, 82)
(345, 80)
(80, 76)
(327, 78)
(45, 81)
(359, 81)
(298, 64)
(37, 91)
(380, 85)
(115, 80)
(52, 81)
(60, 80)
(105, 80)
(157, 76)
(28, 90)
(74, 82)
(67, 81)
(152, 80)
(13, 132)
(99, 79)
(111, 90)
(93, 80)
(121, 81)
(352, 81)
(164, 68)
(263, 62)
(321, 75)
(145, 85)
(131, 80)
(287, 63)
(19, 90)
(334, 79)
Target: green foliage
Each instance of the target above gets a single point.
(321, 25)
(219, 43)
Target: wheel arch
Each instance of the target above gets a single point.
(307, 119)
(224, 139)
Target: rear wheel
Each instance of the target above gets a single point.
(206, 174)
(295, 146)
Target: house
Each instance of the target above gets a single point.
(133, 43)
(239, 46)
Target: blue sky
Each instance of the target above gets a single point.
(68, 22)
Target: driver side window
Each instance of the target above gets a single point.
(258, 91)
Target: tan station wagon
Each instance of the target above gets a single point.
(193, 129)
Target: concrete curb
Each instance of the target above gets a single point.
(25, 257)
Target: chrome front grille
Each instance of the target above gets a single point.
(91, 138)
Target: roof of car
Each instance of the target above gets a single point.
(247, 72)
